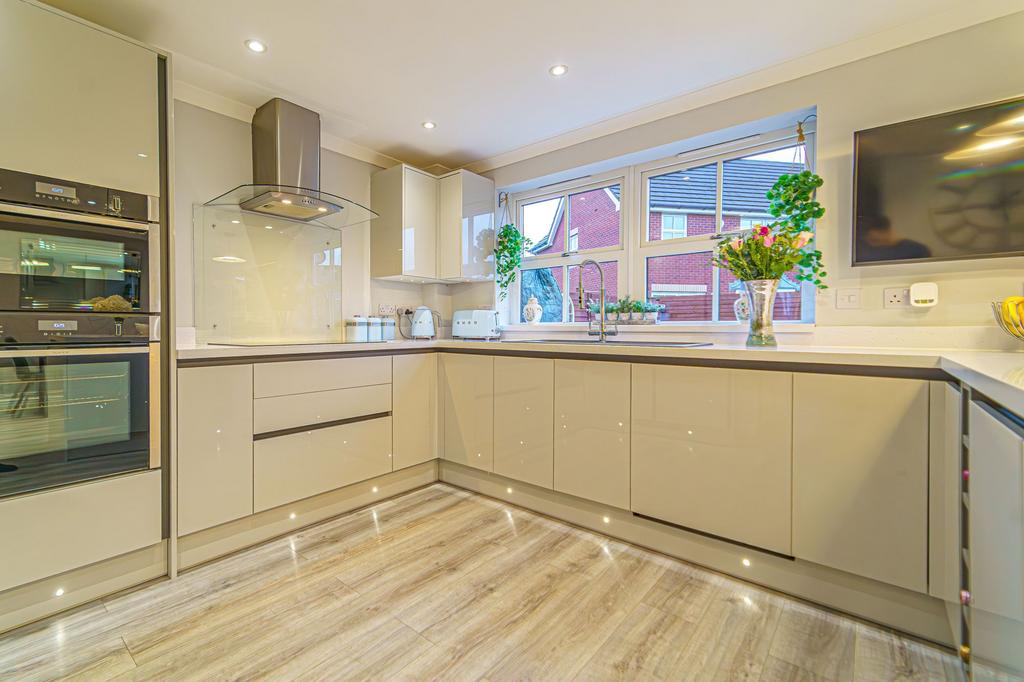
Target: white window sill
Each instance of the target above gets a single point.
(575, 328)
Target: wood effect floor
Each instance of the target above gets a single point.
(445, 584)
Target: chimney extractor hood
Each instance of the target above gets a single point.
(286, 172)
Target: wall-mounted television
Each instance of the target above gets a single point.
(945, 187)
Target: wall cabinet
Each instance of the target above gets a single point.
(215, 429)
(403, 240)
(712, 451)
(431, 229)
(860, 476)
(465, 233)
(414, 410)
(81, 104)
(467, 385)
(524, 413)
(997, 536)
(592, 430)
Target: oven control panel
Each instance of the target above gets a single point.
(66, 195)
(18, 329)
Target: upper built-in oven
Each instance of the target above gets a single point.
(71, 247)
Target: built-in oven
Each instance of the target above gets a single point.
(79, 333)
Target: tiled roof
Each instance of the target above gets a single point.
(744, 185)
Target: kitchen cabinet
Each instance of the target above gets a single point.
(592, 408)
(465, 247)
(996, 534)
(524, 391)
(414, 410)
(215, 453)
(300, 465)
(79, 105)
(403, 240)
(944, 492)
(467, 384)
(712, 451)
(860, 476)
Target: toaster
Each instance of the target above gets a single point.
(475, 324)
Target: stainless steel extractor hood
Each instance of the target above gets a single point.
(286, 171)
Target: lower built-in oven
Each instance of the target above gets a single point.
(79, 409)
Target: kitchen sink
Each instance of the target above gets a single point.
(615, 342)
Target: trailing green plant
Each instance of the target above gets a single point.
(509, 245)
(770, 251)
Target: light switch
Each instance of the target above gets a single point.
(848, 299)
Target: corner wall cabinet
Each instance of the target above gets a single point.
(431, 229)
(860, 476)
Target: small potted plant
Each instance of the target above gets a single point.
(611, 311)
(594, 308)
(636, 311)
(651, 311)
(625, 308)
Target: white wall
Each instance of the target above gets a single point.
(980, 64)
(213, 154)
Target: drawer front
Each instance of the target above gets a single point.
(307, 409)
(296, 466)
(306, 376)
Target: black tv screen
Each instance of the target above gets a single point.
(941, 188)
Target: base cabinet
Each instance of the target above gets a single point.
(996, 536)
(860, 476)
(592, 430)
(712, 451)
(467, 396)
(215, 417)
(524, 391)
(414, 409)
(300, 465)
(944, 493)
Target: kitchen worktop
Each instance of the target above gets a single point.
(1000, 375)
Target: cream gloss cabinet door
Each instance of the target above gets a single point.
(524, 391)
(996, 535)
(78, 103)
(592, 430)
(467, 388)
(712, 451)
(215, 429)
(465, 229)
(944, 492)
(414, 410)
(860, 476)
(419, 224)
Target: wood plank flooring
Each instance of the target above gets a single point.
(444, 584)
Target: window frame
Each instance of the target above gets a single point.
(634, 218)
(566, 259)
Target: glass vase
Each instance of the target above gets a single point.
(761, 293)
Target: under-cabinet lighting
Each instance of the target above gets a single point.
(286, 201)
(256, 46)
(322, 209)
(269, 227)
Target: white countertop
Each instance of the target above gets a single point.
(997, 374)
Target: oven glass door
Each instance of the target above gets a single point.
(56, 266)
(67, 418)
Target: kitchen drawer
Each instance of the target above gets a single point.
(305, 376)
(300, 465)
(307, 409)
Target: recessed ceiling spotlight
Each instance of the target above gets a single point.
(256, 45)
(429, 125)
(558, 70)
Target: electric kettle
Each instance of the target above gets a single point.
(423, 323)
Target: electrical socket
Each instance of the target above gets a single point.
(896, 297)
(848, 299)
(387, 309)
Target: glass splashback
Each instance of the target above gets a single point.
(260, 279)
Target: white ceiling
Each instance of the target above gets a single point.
(375, 70)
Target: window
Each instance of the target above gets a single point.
(683, 208)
